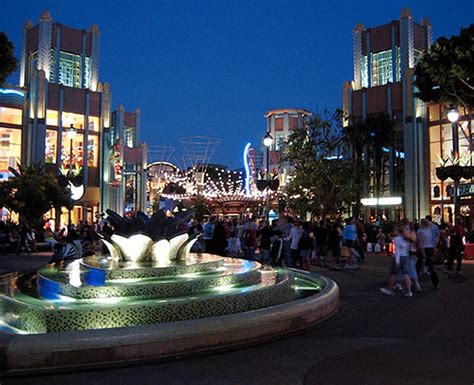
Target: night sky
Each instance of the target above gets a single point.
(213, 68)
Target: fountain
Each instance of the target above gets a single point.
(150, 298)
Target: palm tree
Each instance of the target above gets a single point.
(373, 134)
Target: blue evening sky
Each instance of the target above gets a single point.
(213, 68)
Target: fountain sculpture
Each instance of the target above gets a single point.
(151, 278)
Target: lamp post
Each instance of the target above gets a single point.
(453, 116)
(267, 142)
(71, 134)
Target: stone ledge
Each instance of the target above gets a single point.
(73, 350)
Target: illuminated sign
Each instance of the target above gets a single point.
(384, 201)
(247, 170)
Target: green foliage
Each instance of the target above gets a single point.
(32, 193)
(369, 136)
(446, 73)
(200, 208)
(321, 183)
(8, 62)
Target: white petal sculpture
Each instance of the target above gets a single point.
(135, 248)
(161, 252)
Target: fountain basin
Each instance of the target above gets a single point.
(92, 348)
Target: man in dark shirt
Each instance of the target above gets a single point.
(321, 241)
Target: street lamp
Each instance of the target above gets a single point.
(71, 134)
(267, 142)
(453, 116)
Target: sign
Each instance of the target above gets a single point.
(465, 189)
(382, 201)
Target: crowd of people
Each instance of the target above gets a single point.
(67, 243)
(418, 247)
(285, 242)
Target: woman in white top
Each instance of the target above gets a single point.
(400, 263)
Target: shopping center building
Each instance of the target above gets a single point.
(384, 61)
(60, 116)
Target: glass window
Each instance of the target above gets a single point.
(11, 115)
(446, 132)
(435, 153)
(434, 112)
(51, 145)
(74, 158)
(93, 123)
(363, 72)
(129, 136)
(52, 118)
(92, 150)
(417, 54)
(75, 119)
(87, 73)
(398, 67)
(381, 68)
(70, 69)
(10, 147)
(435, 134)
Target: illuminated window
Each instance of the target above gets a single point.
(398, 67)
(10, 147)
(87, 73)
(51, 145)
(76, 156)
(381, 65)
(279, 141)
(93, 123)
(129, 136)
(52, 118)
(364, 79)
(75, 119)
(11, 115)
(92, 148)
(418, 54)
(70, 69)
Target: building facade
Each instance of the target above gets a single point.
(440, 134)
(128, 166)
(60, 116)
(384, 60)
(280, 124)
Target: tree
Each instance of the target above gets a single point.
(32, 193)
(321, 178)
(445, 74)
(8, 62)
(373, 136)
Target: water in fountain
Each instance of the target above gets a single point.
(149, 277)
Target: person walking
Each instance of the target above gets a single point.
(321, 240)
(427, 241)
(305, 247)
(399, 264)
(349, 240)
(456, 245)
(264, 234)
(208, 235)
(295, 236)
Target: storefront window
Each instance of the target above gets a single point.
(92, 148)
(77, 120)
(76, 160)
(51, 145)
(11, 115)
(10, 147)
(93, 123)
(52, 118)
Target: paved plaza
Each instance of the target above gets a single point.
(373, 339)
